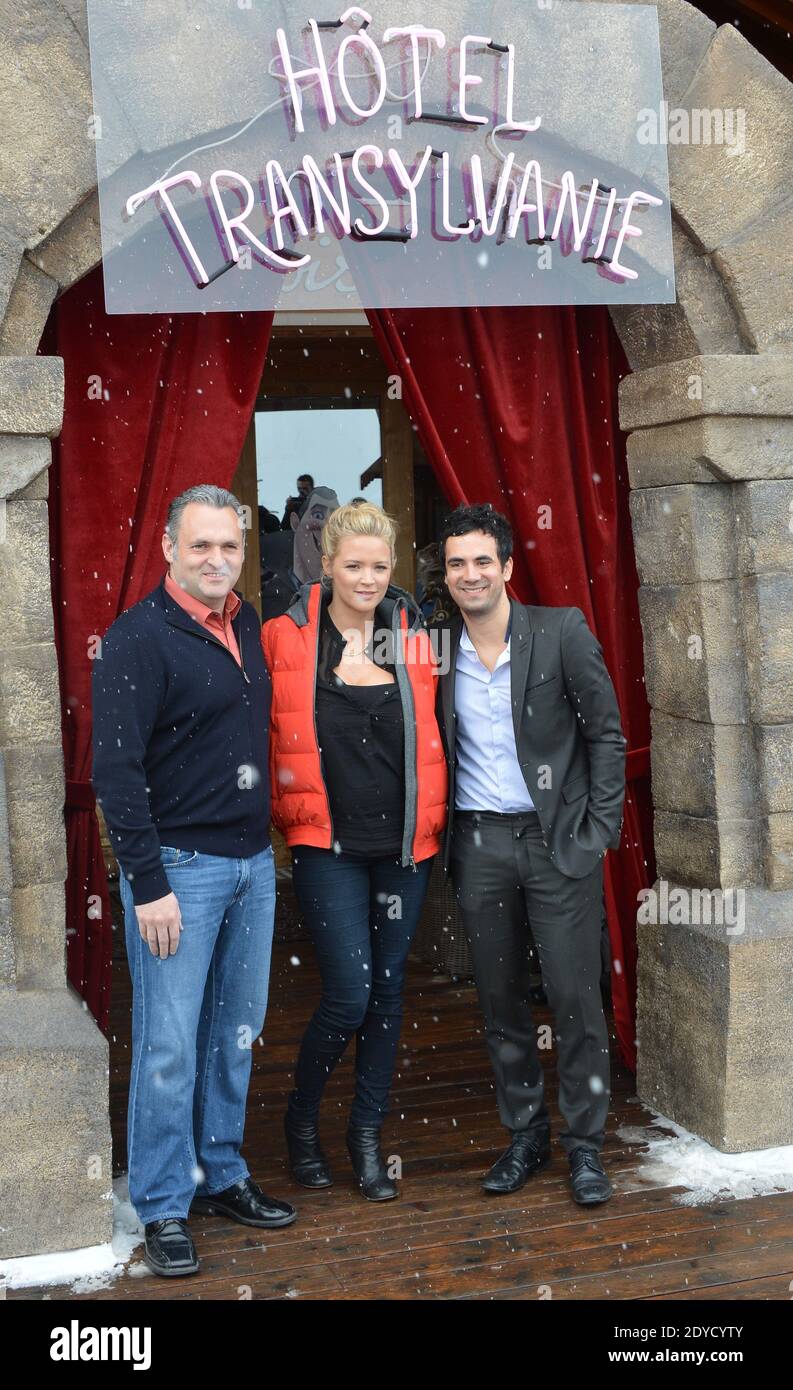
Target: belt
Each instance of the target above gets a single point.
(508, 817)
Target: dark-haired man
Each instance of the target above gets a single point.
(537, 779)
(295, 506)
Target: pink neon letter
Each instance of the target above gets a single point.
(160, 189)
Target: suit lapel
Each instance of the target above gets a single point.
(447, 687)
(522, 639)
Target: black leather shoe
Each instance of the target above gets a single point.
(245, 1202)
(307, 1162)
(169, 1248)
(587, 1178)
(363, 1145)
(528, 1153)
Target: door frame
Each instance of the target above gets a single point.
(327, 363)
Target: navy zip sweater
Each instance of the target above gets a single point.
(180, 752)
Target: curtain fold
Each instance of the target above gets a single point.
(518, 407)
(154, 404)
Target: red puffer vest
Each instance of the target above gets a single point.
(300, 805)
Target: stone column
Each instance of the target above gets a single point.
(55, 1158)
(711, 468)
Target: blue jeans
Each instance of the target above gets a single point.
(195, 1017)
(361, 915)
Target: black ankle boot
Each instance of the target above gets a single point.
(363, 1144)
(307, 1161)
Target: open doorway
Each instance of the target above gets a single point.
(328, 407)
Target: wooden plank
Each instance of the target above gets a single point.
(487, 1262)
(396, 434)
(538, 1277)
(772, 1287)
(444, 1237)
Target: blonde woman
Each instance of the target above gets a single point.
(359, 787)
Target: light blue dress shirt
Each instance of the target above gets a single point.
(488, 775)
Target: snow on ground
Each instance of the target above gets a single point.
(94, 1267)
(680, 1159)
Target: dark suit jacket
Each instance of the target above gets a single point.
(568, 734)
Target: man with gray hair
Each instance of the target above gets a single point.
(181, 704)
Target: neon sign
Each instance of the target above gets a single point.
(437, 149)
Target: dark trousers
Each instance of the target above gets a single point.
(361, 916)
(503, 875)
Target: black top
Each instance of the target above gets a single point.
(180, 739)
(362, 744)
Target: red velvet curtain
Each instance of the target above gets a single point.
(154, 404)
(518, 407)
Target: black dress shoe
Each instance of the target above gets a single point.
(588, 1180)
(245, 1202)
(169, 1248)
(528, 1153)
(363, 1145)
(307, 1162)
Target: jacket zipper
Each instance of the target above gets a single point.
(224, 648)
(209, 638)
(316, 731)
(240, 667)
(409, 721)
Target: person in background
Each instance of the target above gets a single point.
(294, 505)
(359, 792)
(181, 708)
(268, 521)
(432, 595)
(537, 781)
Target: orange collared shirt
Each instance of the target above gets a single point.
(218, 624)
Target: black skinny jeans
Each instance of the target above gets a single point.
(361, 915)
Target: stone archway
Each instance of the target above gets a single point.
(709, 407)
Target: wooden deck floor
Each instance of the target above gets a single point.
(445, 1238)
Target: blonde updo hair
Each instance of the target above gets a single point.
(360, 518)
